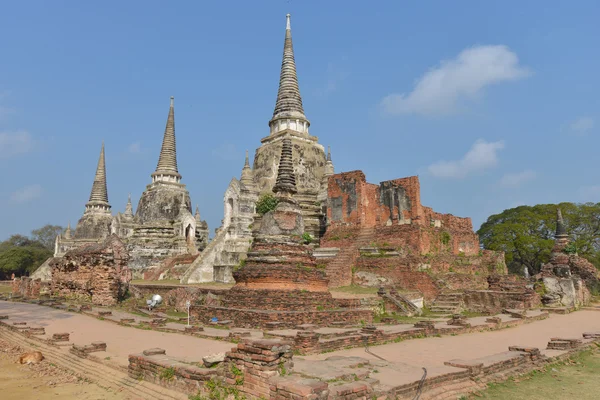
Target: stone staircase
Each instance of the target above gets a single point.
(201, 270)
(114, 379)
(339, 271)
(447, 303)
(403, 304)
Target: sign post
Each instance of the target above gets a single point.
(187, 305)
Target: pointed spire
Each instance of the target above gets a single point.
(99, 195)
(289, 101)
(68, 231)
(197, 214)
(129, 208)
(247, 175)
(561, 231)
(167, 161)
(329, 170)
(286, 178)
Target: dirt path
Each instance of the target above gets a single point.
(43, 381)
(121, 341)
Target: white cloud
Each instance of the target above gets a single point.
(517, 179)
(15, 143)
(581, 126)
(135, 148)
(482, 155)
(26, 194)
(442, 89)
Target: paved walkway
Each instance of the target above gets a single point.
(406, 358)
(403, 360)
(120, 340)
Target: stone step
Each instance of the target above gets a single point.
(98, 373)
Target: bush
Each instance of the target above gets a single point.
(571, 248)
(267, 202)
(307, 238)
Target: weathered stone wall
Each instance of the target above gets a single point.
(494, 301)
(93, 225)
(394, 208)
(161, 202)
(308, 158)
(26, 287)
(248, 318)
(96, 273)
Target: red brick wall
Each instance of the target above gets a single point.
(368, 205)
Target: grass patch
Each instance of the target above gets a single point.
(5, 289)
(575, 378)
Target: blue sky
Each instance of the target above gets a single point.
(492, 104)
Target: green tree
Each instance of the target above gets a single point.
(526, 233)
(47, 235)
(266, 202)
(21, 255)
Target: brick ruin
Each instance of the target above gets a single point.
(26, 287)
(94, 273)
(381, 235)
(566, 279)
(280, 281)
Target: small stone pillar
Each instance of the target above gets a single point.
(306, 342)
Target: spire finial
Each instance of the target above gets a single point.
(328, 153)
(286, 178)
(99, 193)
(289, 102)
(561, 231)
(68, 231)
(167, 161)
(172, 101)
(288, 26)
(129, 207)
(246, 162)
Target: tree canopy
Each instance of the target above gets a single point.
(46, 235)
(526, 233)
(22, 255)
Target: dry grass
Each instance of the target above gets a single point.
(574, 379)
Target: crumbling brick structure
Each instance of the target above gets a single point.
(96, 273)
(26, 287)
(353, 202)
(385, 235)
(567, 278)
(280, 281)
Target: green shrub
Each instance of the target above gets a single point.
(167, 374)
(571, 248)
(266, 202)
(445, 237)
(307, 238)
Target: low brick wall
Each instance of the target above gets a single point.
(286, 319)
(155, 366)
(494, 301)
(27, 287)
(141, 290)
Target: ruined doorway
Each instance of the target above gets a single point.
(228, 211)
(190, 234)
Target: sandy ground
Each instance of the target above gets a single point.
(43, 381)
(409, 356)
(120, 340)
